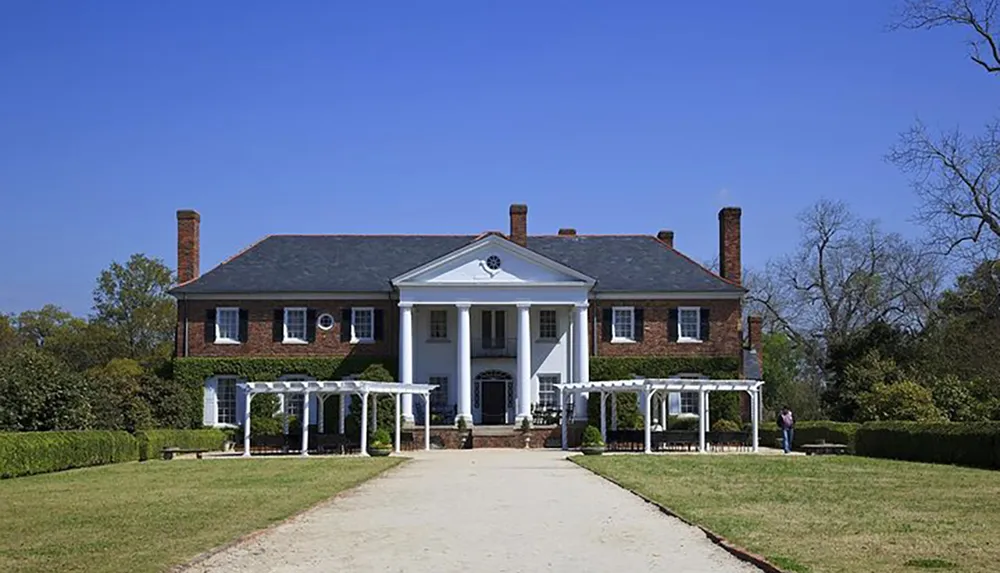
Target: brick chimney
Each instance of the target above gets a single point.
(519, 224)
(730, 264)
(755, 335)
(568, 232)
(188, 250)
(666, 237)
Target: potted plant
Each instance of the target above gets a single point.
(526, 429)
(592, 444)
(381, 444)
(463, 432)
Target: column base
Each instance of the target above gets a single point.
(518, 420)
(304, 455)
(466, 417)
(408, 421)
(245, 455)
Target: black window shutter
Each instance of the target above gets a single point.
(637, 317)
(244, 325)
(672, 325)
(704, 323)
(311, 324)
(278, 327)
(345, 325)
(210, 326)
(606, 324)
(379, 325)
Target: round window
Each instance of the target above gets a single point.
(493, 262)
(325, 321)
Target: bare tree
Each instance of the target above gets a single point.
(846, 274)
(956, 176)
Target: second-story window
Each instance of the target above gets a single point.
(547, 325)
(295, 325)
(689, 324)
(439, 325)
(227, 325)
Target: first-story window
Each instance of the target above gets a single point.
(622, 324)
(689, 402)
(225, 399)
(295, 325)
(689, 324)
(547, 390)
(362, 324)
(547, 325)
(227, 325)
(439, 324)
(439, 395)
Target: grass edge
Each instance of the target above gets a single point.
(735, 550)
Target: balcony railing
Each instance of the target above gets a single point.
(494, 347)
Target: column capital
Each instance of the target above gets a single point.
(583, 305)
(524, 305)
(463, 305)
(406, 305)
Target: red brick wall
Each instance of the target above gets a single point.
(261, 319)
(188, 245)
(725, 337)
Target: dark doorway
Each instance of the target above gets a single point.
(494, 408)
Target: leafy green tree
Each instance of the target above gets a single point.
(900, 400)
(875, 354)
(38, 392)
(8, 333)
(37, 326)
(957, 400)
(115, 396)
(132, 299)
(787, 375)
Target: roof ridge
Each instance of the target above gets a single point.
(696, 263)
(371, 235)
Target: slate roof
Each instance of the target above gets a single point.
(367, 263)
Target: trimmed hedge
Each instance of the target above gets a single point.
(27, 453)
(974, 444)
(811, 433)
(192, 372)
(152, 441)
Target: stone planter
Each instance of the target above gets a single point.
(592, 450)
(379, 452)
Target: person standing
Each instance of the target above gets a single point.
(786, 421)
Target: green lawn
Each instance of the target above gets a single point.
(149, 516)
(828, 514)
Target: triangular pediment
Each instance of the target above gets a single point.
(492, 260)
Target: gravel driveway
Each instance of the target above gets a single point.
(481, 510)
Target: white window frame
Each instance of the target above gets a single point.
(555, 324)
(680, 331)
(305, 326)
(355, 311)
(615, 336)
(439, 396)
(694, 404)
(219, 339)
(430, 325)
(218, 401)
(553, 392)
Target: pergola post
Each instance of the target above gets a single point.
(664, 413)
(284, 414)
(614, 411)
(648, 438)
(305, 424)
(701, 421)
(364, 423)
(397, 423)
(321, 415)
(345, 400)
(427, 422)
(604, 418)
(562, 418)
(246, 423)
(755, 418)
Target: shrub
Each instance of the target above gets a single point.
(592, 437)
(264, 426)
(812, 432)
(725, 426)
(971, 444)
(381, 439)
(152, 441)
(724, 406)
(902, 400)
(682, 423)
(27, 453)
(39, 393)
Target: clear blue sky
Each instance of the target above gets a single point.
(434, 116)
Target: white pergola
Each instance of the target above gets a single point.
(646, 388)
(343, 388)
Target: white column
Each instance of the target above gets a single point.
(708, 417)
(604, 418)
(523, 363)
(246, 424)
(664, 414)
(284, 415)
(406, 356)
(364, 423)
(647, 397)
(345, 401)
(701, 421)
(321, 415)
(427, 422)
(755, 418)
(581, 339)
(398, 400)
(614, 411)
(306, 398)
(562, 418)
(464, 363)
